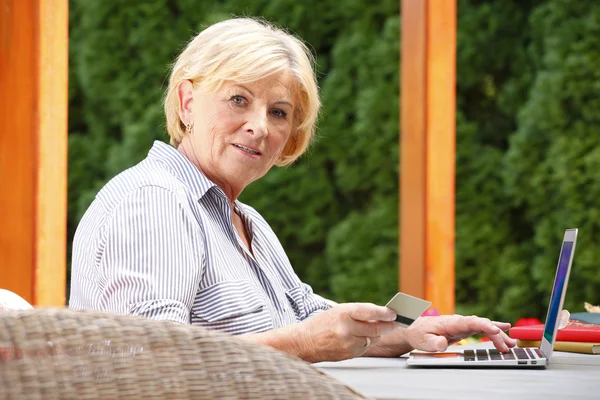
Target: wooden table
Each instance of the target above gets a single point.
(390, 378)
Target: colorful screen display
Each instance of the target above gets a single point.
(559, 283)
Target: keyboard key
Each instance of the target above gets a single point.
(482, 354)
(509, 356)
(530, 353)
(520, 354)
(539, 353)
(469, 355)
(494, 353)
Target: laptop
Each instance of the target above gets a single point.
(516, 357)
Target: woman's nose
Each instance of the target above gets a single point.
(257, 124)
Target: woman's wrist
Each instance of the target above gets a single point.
(391, 345)
(289, 339)
(301, 343)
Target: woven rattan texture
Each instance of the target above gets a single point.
(64, 354)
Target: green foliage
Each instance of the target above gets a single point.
(528, 153)
(527, 144)
(492, 275)
(120, 54)
(552, 165)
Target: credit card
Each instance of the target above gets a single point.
(407, 308)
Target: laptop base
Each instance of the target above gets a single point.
(480, 358)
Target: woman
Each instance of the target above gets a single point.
(169, 240)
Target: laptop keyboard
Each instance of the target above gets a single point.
(493, 354)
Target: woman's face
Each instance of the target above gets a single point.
(238, 131)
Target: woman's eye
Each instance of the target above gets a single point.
(237, 100)
(278, 113)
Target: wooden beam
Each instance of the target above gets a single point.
(428, 136)
(18, 59)
(33, 148)
(413, 159)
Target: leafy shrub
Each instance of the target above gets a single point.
(528, 149)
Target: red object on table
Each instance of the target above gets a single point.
(528, 322)
(575, 331)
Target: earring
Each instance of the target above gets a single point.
(188, 127)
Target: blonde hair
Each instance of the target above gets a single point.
(245, 50)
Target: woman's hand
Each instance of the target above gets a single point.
(342, 331)
(437, 333)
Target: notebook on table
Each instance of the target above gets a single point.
(517, 357)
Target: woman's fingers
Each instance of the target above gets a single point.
(502, 325)
(482, 325)
(374, 340)
(497, 335)
(435, 333)
(366, 341)
(493, 330)
(369, 312)
(370, 321)
(345, 331)
(466, 326)
(433, 342)
(507, 341)
(372, 328)
(499, 342)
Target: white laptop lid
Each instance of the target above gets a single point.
(559, 290)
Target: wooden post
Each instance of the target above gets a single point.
(33, 148)
(428, 134)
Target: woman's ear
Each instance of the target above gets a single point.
(185, 94)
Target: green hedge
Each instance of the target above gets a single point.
(528, 151)
(526, 96)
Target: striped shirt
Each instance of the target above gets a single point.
(158, 241)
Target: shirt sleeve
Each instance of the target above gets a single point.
(152, 260)
(313, 304)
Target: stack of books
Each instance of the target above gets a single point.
(581, 335)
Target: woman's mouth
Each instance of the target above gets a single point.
(247, 149)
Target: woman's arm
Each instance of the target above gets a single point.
(151, 259)
(340, 333)
(287, 339)
(336, 334)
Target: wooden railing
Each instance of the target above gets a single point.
(33, 148)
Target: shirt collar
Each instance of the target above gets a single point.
(181, 167)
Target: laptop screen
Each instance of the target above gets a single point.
(559, 283)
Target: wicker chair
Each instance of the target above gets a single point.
(65, 354)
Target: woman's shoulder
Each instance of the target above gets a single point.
(148, 176)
